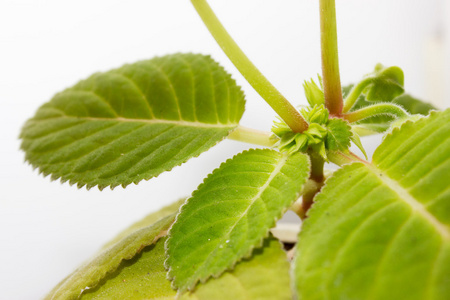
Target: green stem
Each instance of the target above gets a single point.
(256, 79)
(354, 94)
(252, 136)
(373, 110)
(330, 61)
(301, 206)
(317, 164)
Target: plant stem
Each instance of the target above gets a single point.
(256, 79)
(373, 110)
(354, 94)
(317, 163)
(301, 206)
(330, 61)
(252, 136)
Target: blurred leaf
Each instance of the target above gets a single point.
(91, 273)
(264, 276)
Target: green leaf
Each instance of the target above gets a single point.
(384, 84)
(264, 276)
(314, 93)
(357, 141)
(382, 230)
(231, 213)
(338, 135)
(414, 105)
(91, 273)
(147, 221)
(135, 122)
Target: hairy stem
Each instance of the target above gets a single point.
(256, 79)
(330, 61)
(354, 94)
(252, 136)
(373, 110)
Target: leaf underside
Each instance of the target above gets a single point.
(264, 276)
(382, 230)
(134, 122)
(231, 213)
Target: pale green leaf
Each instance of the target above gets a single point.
(90, 274)
(231, 213)
(382, 230)
(146, 221)
(265, 276)
(134, 122)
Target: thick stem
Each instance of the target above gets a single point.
(373, 110)
(354, 94)
(330, 61)
(256, 79)
(301, 206)
(317, 163)
(252, 136)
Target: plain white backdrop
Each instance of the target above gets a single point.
(48, 229)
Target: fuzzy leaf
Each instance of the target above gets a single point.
(107, 261)
(134, 122)
(382, 230)
(231, 213)
(264, 276)
(338, 135)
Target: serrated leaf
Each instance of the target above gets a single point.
(338, 135)
(382, 230)
(264, 276)
(107, 261)
(231, 213)
(134, 122)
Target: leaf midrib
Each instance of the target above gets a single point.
(416, 206)
(154, 121)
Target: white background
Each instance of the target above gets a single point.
(47, 229)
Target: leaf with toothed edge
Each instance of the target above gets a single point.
(338, 135)
(231, 212)
(134, 122)
(382, 230)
